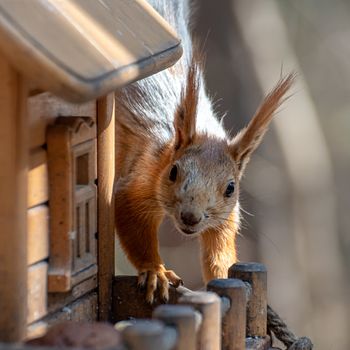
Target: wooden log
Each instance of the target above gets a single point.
(208, 304)
(13, 204)
(106, 227)
(38, 233)
(183, 318)
(149, 335)
(234, 319)
(38, 181)
(255, 274)
(37, 291)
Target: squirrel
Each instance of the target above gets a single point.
(174, 158)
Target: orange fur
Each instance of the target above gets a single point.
(205, 165)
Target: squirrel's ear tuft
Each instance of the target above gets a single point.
(249, 138)
(186, 112)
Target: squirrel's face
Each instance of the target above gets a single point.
(200, 187)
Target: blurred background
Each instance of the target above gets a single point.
(296, 193)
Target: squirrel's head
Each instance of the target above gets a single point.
(200, 187)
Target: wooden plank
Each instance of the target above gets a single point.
(106, 226)
(57, 301)
(62, 231)
(43, 109)
(84, 309)
(37, 291)
(38, 181)
(102, 44)
(38, 233)
(13, 204)
(129, 301)
(72, 172)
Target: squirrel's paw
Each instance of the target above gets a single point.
(158, 276)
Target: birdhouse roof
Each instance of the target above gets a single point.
(82, 49)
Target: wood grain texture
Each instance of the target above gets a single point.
(129, 301)
(57, 301)
(13, 204)
(44, 108)
(61, 208)
(256, 275)
(37, 291)
(234, 320)
(38, 233)
(72, 173)
(82, 310)
(102, 44)
(38, 181)
(106, 226)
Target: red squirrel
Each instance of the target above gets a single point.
(174, 158)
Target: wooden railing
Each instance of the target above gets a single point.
(230, 315)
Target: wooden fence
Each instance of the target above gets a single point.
(230, 315)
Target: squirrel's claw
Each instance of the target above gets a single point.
(173, 278)
(151, 278)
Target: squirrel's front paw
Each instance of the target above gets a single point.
(151, 277)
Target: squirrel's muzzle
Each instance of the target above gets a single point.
(190, 219)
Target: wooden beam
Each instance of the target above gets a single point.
(129, 301)
(13, 204)
(105, 170)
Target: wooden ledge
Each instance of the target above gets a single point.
(129, 301)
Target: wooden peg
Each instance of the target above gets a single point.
(208, 304)
(184, 319)
(255, 274)
(234, 319)
(149, 335)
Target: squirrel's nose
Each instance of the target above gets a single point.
(190, 219)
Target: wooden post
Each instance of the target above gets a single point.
(149, 335)
(234, 320)
(106, 171)
(183, 318)
(255, 274)
(13, 205)
(208, 304)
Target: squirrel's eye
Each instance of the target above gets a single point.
(173, 173)
(230, 189)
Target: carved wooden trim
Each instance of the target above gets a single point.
(73, 202)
